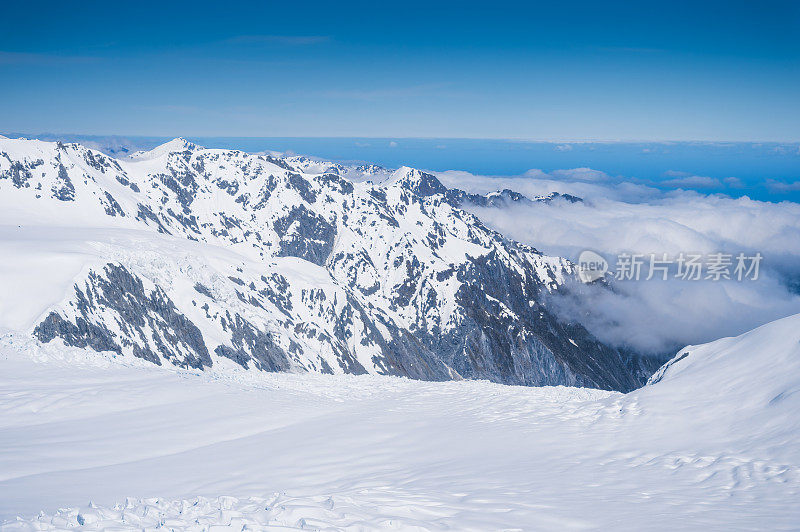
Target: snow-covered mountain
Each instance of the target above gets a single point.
(206, 257)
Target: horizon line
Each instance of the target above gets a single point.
(507, 139)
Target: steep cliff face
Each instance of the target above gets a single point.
(325, 268)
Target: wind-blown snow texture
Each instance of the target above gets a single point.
(712, 444)
(191, 256)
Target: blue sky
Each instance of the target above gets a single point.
(579, 70)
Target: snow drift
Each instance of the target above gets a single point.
(711, 443)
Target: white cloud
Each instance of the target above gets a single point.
(778, 186)
(629, 217)
(25, 58)
(733, 182)
(580, 174)
(693, 181)
(290, 40)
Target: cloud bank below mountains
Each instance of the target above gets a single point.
(623, 217)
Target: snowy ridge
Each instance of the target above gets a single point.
(752, 381)
(194, 255)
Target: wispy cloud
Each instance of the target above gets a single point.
(693, 181)
(777, 186)
(687, 180)
(170, 108)
(630, 49)
(28, 58)
(588, 175)
(287, 40)
(385, 93)
(733, 182)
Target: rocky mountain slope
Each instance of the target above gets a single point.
(204, 257)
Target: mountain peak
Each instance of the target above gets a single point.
(176, 145)
(417, 181)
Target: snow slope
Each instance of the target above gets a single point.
(713, 445)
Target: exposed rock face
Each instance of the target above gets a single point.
(148, 322)
(305, 235)
(350, 276)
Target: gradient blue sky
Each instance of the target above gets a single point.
(578, 70)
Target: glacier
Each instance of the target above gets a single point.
(99, 441)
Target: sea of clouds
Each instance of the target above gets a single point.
(617, 217)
